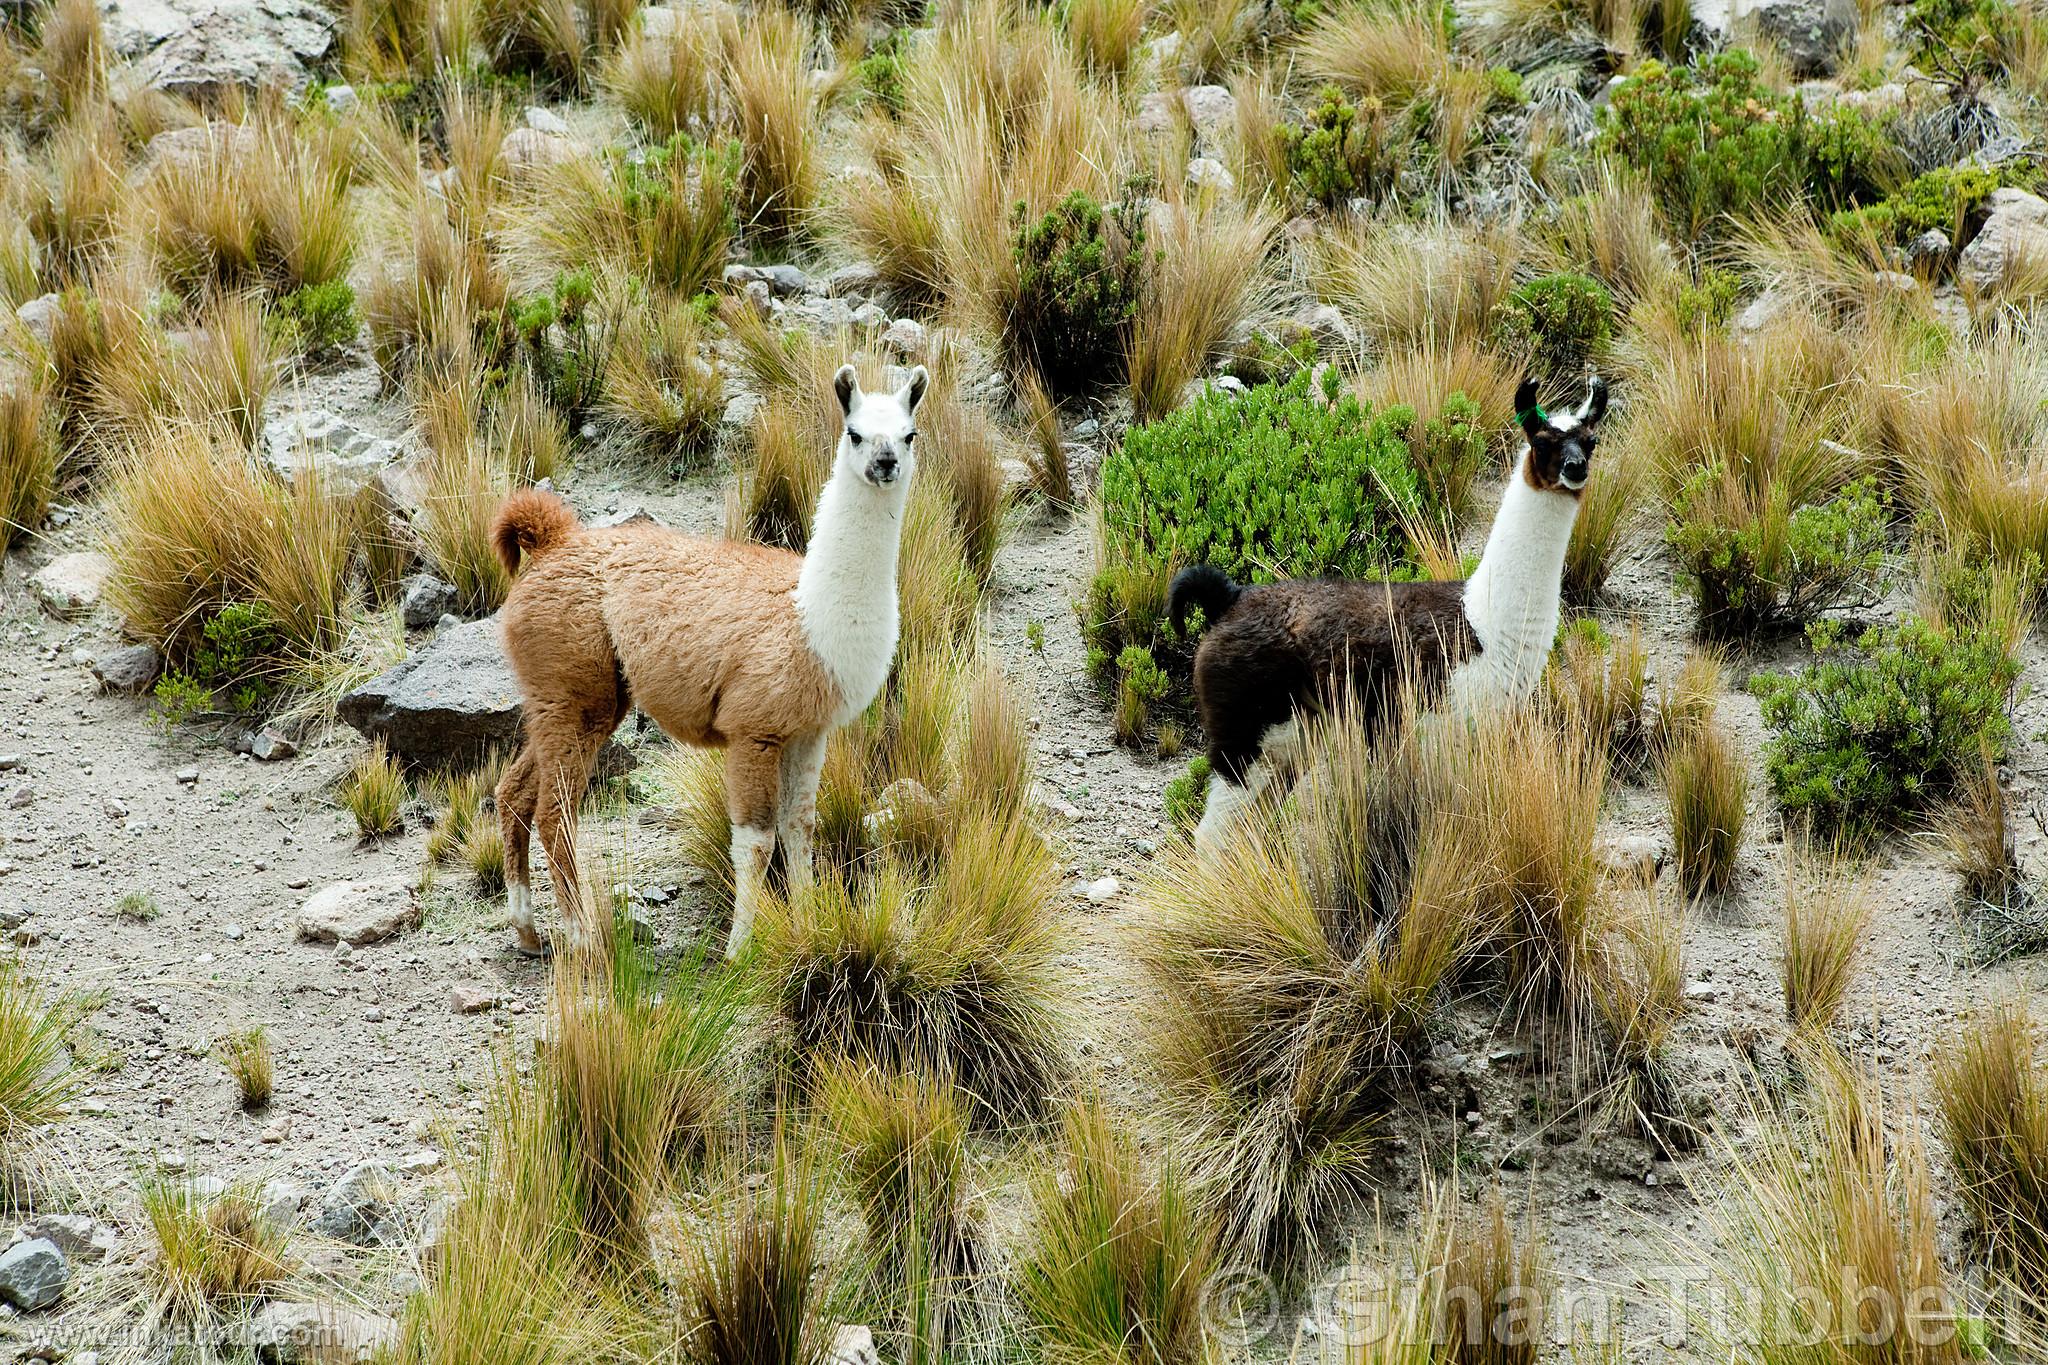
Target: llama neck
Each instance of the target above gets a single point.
(846, 592)
(1512, 598)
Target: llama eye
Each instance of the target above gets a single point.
(909, 437)
(853, 436)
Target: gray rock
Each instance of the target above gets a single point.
(451, 698)
(2015, 230)
(33, 1274)
(282, 1200)
(286, 1332)
(70, 585)
(853, 1345)
(360, 912)
(1211, 108)
(1155, 113)
(739, 412)
(1623, 1158)
(546, 121)
(905, 336)
(633, 515)
(79, 1237)
(346, 457)
(1209, 173)
(1325, 323)
(1931, 245)
(852, 281)
(871, 316)
(39, 316)
(1811, 33)
(427, 600)
(196, 145)
(342, 98)
(201, 49)
(268, 746)
(358, 1209)
(785, 281)
(530, 149)
(128, 670)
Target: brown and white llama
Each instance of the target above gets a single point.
(1272, 650)
(724, 643)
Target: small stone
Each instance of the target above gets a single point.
(284, 1332)
(10, 763)
(853, 1345)
(472, 999)
(427, 600)
(278, 1131)
(39, 316)
(187, 776)
(342, 98)
(81, 1239)
(358, 1209)
(22, 798)
(853, 280)
(546, 121)
(231, 932)
(33, 1274)
(419, 1163)
(529, 149)
(128, 670)
(70, 585)
(1103, 889)
(905, 336)
(360, 912)
(1211, 108)
(1209, 173)
(270, 747)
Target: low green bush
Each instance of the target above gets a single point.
(1707, 304)
(1714, 141)
(1755, 564)
(1562, 322)
(1881, 725)
(880, 73)
(1288, 480)
(238, 650)
(1979, 36)
(1187, 795)
(1080, 278)
(316, 317)
(1339, 150)
(1949, 199)
(566, 343)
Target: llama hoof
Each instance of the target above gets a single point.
(530, 944)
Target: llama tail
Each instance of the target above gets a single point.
(531, 522)
(1204, 586)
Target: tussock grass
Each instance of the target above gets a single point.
(660, 390)
(668, 83)
(545, 36)
(467, 476)
(1828, 908)
(193, 524)
(231, 366)
(1412, 286)
(667, 222)
(1215, 35)
(2007, 912)
(1289, 983)
(1607, 507)
(71, 53)
(1706, 785)
(246, 1055)
(1211, 278)
(35, 1073)
(752, 1291)
(1991, 1096)
(1639, 989)
(466, 832)
(903, 1138)
(374, 792)
(774, 111)
(426, 305)
(1614, 233)
(213, 1253)
(83, 197)
(1395, 53)
(393, 40)
(1118, 1258)
(1104, 34)
(1045, 450)
(1495, 1286)
(28, 460)
(1831, 1234)
(1600, 685)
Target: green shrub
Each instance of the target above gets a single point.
(1714, 141)
(566, 343)
(1707, 305)
(1947, 199)
(1563, 323)
(1281, 480)
(1339, 150)
(1188, 794)
(1139, 683)
(1509, 89)
(1754, 565)
(1880, 726)
(1080, 276)
(316, 317)
(239, 646)
(880, 73)
(1977, 34)
(1449, 450)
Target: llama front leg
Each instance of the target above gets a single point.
(753, 779)
(797, 807)
(517, 799)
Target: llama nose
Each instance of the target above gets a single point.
(883, 469)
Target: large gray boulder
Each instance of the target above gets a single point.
(200, 49)
(1811, 33)
(33, 1275)
(345, 456)
(359, 913)
(361, 1208)
(452, 698)
(2015, 230)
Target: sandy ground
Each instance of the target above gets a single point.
(374, 1062)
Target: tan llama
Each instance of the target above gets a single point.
(724, 643)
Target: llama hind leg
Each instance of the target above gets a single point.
(518, 798)
(796, 813)
(753, 779)
(560, 778)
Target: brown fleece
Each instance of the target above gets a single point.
(700, 634)
(1286, 646)
(531, 522)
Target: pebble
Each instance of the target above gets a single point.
(1103, 889)
(188, 776)
(10, 763)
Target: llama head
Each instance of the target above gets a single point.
(1560, 443)
(878, 444)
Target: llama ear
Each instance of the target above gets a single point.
(1595, 406)
(1528, 411)
(912, 392)
(847, 385)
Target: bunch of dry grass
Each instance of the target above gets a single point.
(71, 53)
(1212, 278)
(774, 111)
(1639, 988)
(466, 478)
(193, 524)
(1974, 833)
(1830, 1238)
(1215, 35)
(668, 81)
(1104, 34)
(1120, 1259)
(1614, 233)
(214, 1251)
(395, 40)
(1600, 685)
(1394, 54)
(1290, 979)
(439, 303)
(1991, 1093)
(36, 1080)
(1412, 286)
(888, 220)
(1706, 783)
(659, 390)
(83, 196)
(904, 1142)
(551, 37)
(226, 373)
(254, 206)
(246, 1055)
(753, 1291)
(1258, 141)
(1045, 448)
(1428, 375)
(666, 221)
(466, 831)
(1608, 505)
(961, 451)
(28, 460)
(1828, 909)
(374, 792)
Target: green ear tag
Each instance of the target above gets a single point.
(1540, 415)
